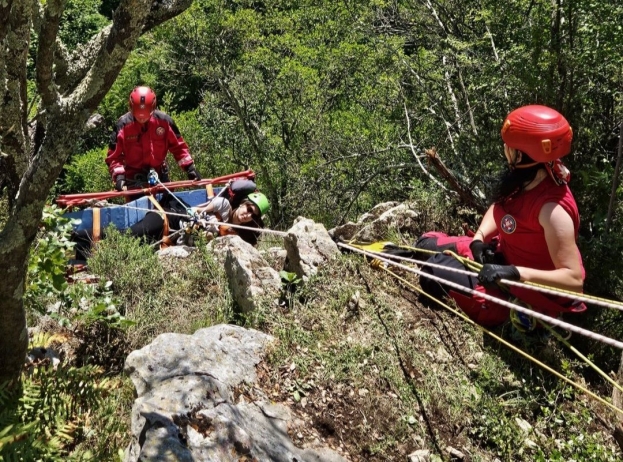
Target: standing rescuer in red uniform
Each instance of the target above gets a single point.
(529, 233)
(141, 140)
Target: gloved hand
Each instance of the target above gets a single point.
(490, 274)
(482, 252)
(208, 223)
(120, 182)
(192, 173)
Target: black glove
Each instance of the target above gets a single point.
(192, 173)
(490, 274)
(482, 252)
(120, 182)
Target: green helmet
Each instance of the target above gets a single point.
(260, 200)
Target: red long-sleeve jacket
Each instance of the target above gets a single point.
(135, 148)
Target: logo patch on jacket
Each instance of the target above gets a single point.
(508, 224)
(160, 131)
(131, 137)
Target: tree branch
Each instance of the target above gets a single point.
(45, 55)
(162, 11)
(469, 107)
(465, 194)
(72, 68)
(426, 172)
(13, 128)
(131, 19)
(127, 26)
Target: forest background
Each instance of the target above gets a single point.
(333, 104)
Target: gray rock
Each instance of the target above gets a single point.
(375, 225)
(276, 257)
(308, 245)
(227, 353)
(251, 279)
(421, 455)
(176, 251)
(185, 409)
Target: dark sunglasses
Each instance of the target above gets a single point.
(252, 209)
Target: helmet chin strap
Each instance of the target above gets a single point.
(514, 156)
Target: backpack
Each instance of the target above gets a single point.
(238, 190)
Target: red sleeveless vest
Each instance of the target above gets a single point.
(522, 240)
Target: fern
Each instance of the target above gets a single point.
(44, 417)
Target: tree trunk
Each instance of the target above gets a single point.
(19, 233)
(13, 333)
(33, 158)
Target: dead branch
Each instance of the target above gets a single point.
(466, 195)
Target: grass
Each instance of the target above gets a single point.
(162, 295)
(370, 370)
(402, 377)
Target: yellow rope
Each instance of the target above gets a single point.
(378, 264)
(563, 340)
(572, 294)
(476, 267)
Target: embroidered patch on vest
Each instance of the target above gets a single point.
(508, 224)
(160, 131)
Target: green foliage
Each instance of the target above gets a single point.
(158, 295)
(87, 172)
(289, 279)
(46, 267)
(133, 267)
(42, 418)
(554, 434)
(47, 291)
(290, 282)
(81, 20)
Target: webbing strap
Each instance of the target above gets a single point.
(209, 191)
(166, 242)
(95, 234)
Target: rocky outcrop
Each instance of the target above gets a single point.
(376, 225)
(251, 278)
(185, 409)
(308, 245)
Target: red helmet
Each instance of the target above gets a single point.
(142, 103)
(539, 131)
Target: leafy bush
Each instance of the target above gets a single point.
(88, 172)
(133, 267)
(46, 267)
(47, 291)
(81, 20)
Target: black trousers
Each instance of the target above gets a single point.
(149, 228)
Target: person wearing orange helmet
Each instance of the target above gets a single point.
(529, 233)
(141, 140)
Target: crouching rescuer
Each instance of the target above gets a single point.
(529, 232)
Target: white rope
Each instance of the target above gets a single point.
(538, 288)
(250, 228)
(499, 301)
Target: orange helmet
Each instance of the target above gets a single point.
(142, 103)
(539, 131)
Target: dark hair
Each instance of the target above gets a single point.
(513, 180)
(246, 234)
